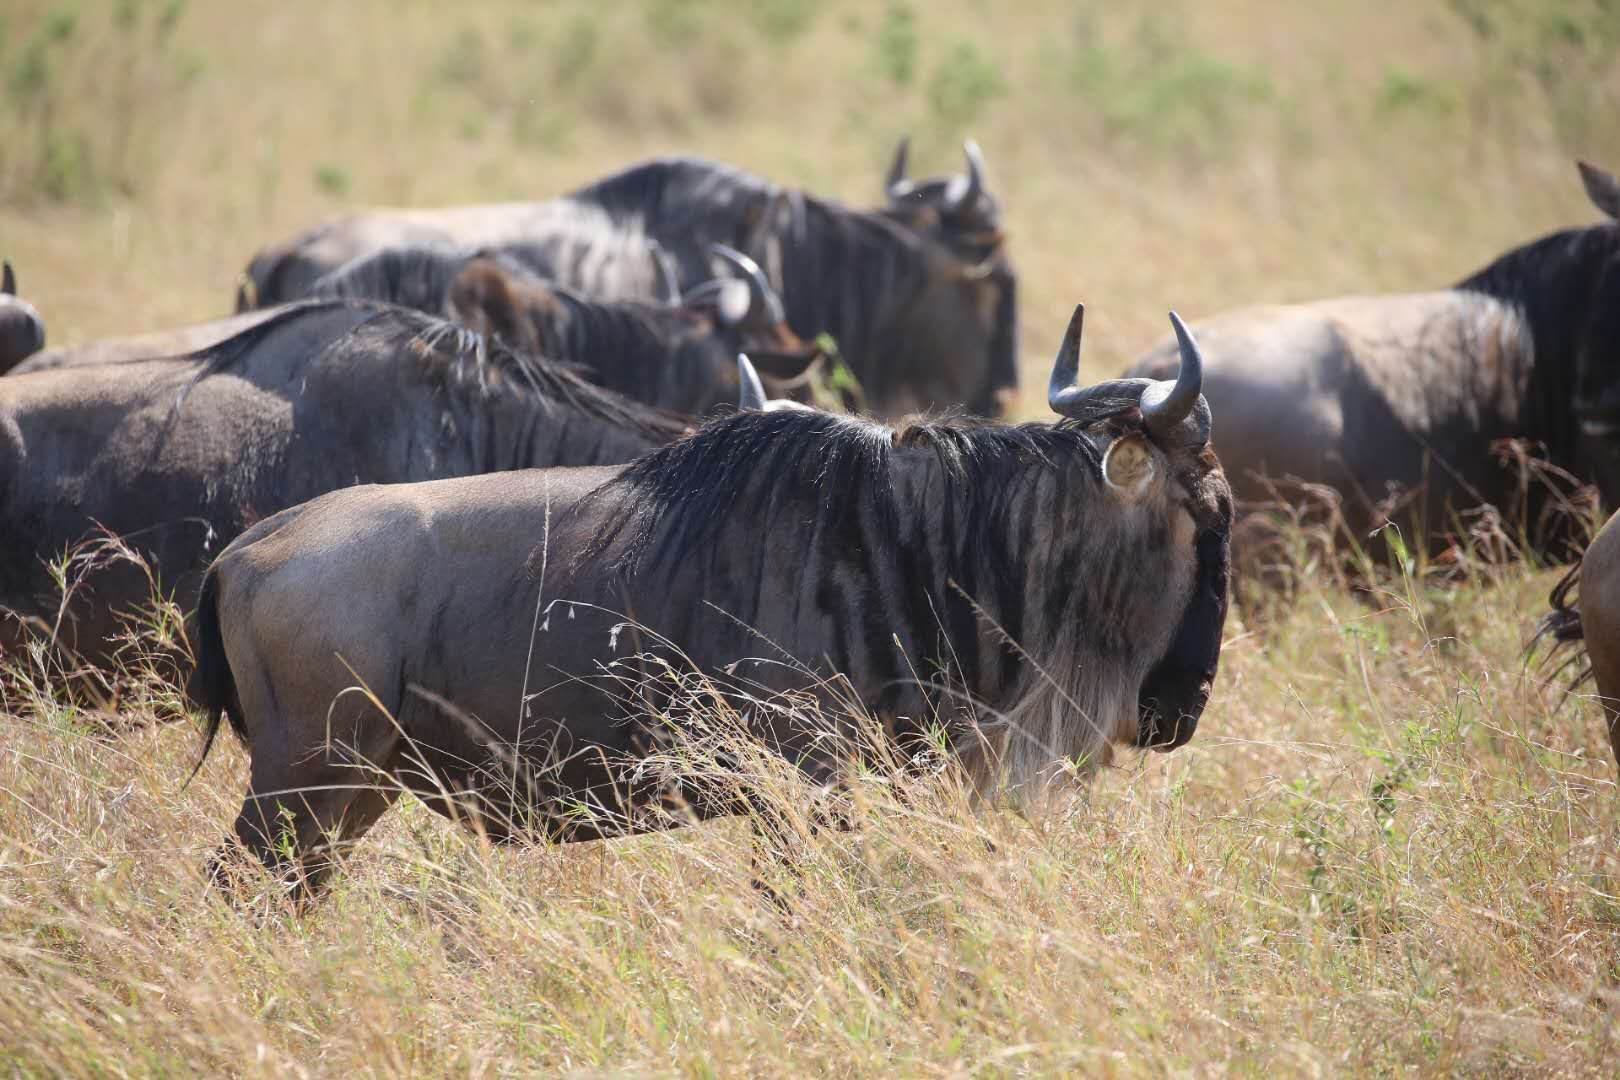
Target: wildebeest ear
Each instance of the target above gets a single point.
(1602, 188)
(481, 298)
(730, 298)
(8, 280)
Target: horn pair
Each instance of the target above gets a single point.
(764, 306)
(1173, 411)
(971, 185)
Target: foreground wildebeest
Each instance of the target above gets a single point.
(1377, 396)
(1593, 623)
(679, 355)
(177, 341)
(1041, 593)
(177, 456)
(919, 295)
(22, 331)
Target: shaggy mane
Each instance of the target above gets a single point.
(460, 359)
(678, 498)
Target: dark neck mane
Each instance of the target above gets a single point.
(669, 191)
(846, 272)
(937, 514)
(617, 340)
(1552, 283)
(461, 360)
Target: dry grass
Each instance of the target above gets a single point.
(1385, 850)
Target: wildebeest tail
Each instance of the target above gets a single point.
(1563, 625)
(1563, 622)
(212, 687)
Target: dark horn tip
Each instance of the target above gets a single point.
(1066, 367)
(1184, 338)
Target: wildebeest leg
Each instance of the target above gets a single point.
(323, 765)
(1606, 673)
(297, 817)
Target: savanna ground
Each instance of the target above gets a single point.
(1387, 848)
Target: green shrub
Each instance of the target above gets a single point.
(673, 22)
(780, 21)
(463, 59)
(89, 97)
(332, 179)
(1567, 48)
(1156, 88)
(965, 81)
(897, 44)
(577, 50)
(1400, 90)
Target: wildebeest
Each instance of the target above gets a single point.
(177, 456)
(1037, 594)
(22, 331)
(419, 275)
(1593, 623)
(919, 295)
(1383, 395)
(177, 341)
(678, 355)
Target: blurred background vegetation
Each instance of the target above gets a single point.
(1149, 154)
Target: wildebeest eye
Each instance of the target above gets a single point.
(1128, 465)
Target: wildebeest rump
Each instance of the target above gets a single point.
(22, 331)
(904, 560)
(679, 355)
(178, 456)
(1382, 395)
(1591, 623)
(919, 295)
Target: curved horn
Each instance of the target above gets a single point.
(1601, 187)
(895, 185)
(1061, 390)
(969, 198)
(8, 280)
(750, 391)
(763, 304)
(666, 277)
(1166, 405)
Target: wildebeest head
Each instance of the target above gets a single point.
(1098, 546)
(1597, 359)
(959, 208)
(960, 213)
(1160, 452)
(22, 331)
(678, 355)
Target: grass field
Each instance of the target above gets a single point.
(1386, 850)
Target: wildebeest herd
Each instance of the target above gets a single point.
(455, 494)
